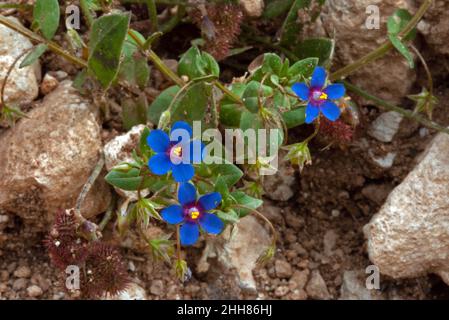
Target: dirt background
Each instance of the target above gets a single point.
(320, 228)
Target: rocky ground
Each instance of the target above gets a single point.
(382, 199)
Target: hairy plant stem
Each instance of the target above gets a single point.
(383, 49)
(83, 222)
(391, 107)
(5, 80)
(36, 38)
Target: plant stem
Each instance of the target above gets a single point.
(388, 106)
(173, 22)
(5, 80)
(108, 215)
(36, 38)
(152, 14)
(228, 92)
(86, 12)
(383, 49)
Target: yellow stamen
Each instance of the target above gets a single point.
(177, 151)
(194, 215)
(323, 96)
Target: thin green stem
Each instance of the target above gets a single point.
(36, 38)
(383, 49)
(152, 14)
(228, 92)
(175, 20)
(391, 107)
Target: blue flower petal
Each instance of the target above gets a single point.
(301, 90)
(181, 125)
(335, 91)
(196, 151)
(160, 163)
(183, 172)
(211, 223)
(173, 214)
(330, 110)
(318, 78)
(210, 201)
(186, 193)
(312, 113)
(189, 233)
(158, 140)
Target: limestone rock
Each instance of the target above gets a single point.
(409, 236)
(119, 150)
(22, 85)
(390, 77)
(354, 288)
(46, 159)
(385, 127)
(132, 292)
(238, 251)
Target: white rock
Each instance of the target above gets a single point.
(385, 127)
(46, 159)
(22, 85)
(132, 292)
(246, 244)
(119, 150)
(409, 236)
(354, 287)
(389, 77)
(384, 162)
(253, 8)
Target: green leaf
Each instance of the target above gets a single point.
(46, 17)
(291, 29)
(275, 8)
(195, 64)
(251, 95)
(230, 173)
(272, 63)
(135, 71)
(144, 149)
(129, 181)
(230, 112)
(397, 22)
(134, 111)
(191, 104)
(302, 69)
(33, 55)
(189, 64)
(294, 118)
(321, 48)
(161, 103)
(243, 199)
(402, 48)
(106, 45)
(130, 45)
(229, 216)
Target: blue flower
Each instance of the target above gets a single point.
(319, 98)
(177, 155)
(193, 213)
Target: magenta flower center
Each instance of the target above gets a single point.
(317, 97)
(192, 212)
(175, 152)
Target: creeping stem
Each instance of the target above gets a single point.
(388, 106)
